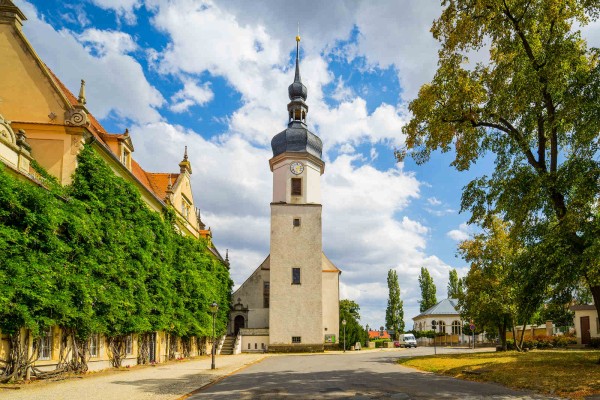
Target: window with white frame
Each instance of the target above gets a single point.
(129, 344)
(45, 350)
(186, 208)
(442, 327)
(94, 345)
(456, 327)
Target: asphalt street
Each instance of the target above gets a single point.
(370, 374)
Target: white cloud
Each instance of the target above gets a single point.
(123, 8)
(76, 15)
(205, 37)
(191, 94)
(591, 33)
(433, 201)
(115, 80)
(460, 234)
(341, 91)
(396, 33)
(108, 42)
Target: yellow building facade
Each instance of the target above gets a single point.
(41, 120)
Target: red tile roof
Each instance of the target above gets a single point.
(160, 181)
(378, 335)
(156, 183)
(153, 184)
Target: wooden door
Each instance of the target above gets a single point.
(585, 330)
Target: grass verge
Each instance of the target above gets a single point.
(572, 374)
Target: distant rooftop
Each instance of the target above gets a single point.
(444, 307)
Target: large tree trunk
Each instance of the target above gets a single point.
(502, 334)
(596, 295)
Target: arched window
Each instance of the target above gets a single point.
(442, 327)
(456, 328)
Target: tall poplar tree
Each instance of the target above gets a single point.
(428, 298)
(455, 285)
(394, 313)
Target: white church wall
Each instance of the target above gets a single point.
(258, 318)
(296, 247)
(254, 344)
(313, 185)
(331, 305)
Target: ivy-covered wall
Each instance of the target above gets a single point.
(93, 257)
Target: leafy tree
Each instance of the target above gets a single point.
(491, 296)
(349, 311)
(428, 297)
(455, 285)
(535, 106)
(394, 313)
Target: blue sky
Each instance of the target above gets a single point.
(214, 76)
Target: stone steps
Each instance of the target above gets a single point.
(228, 344)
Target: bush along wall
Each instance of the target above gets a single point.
(93, 258)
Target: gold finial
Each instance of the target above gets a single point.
(298, 36)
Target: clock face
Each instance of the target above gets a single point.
(296, 168)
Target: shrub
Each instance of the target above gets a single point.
(380, 342)
(543, 342)
(594, 343)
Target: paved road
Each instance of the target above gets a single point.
(369, 374)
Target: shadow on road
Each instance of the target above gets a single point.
(363, 383)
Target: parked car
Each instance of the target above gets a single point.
(406, 340)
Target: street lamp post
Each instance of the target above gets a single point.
(344, 323)
(214, 307)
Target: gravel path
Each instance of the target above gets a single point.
(164, 381)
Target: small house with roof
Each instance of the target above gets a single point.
(587, 324)
(444, 317)
(380, 334)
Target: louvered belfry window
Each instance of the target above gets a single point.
(296, 186)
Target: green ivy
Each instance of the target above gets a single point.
(100, 260)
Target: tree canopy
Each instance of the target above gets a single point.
(535, 106)
(394, 312)
(455, 285)
(491, 299)
(93, 258)
(428, 296)
(349, 311)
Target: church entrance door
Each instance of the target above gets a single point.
(238, 323)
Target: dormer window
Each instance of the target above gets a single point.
(126, 157)
(186, 208)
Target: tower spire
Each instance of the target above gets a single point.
(297, 92)
(185, 164)
(297, 76)
(81, 99)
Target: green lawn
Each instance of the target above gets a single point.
(568, 373)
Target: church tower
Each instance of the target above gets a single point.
(291, 301)
(296, 319)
